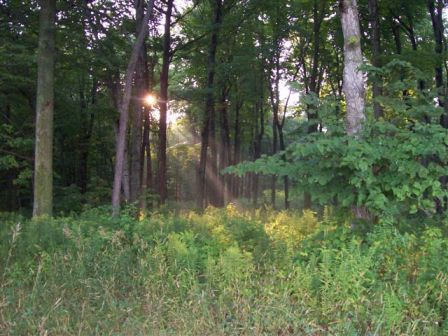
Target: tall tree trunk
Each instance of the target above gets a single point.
(224, 148)
(274, 90)
(376, 54)
(353, 77)
(124, 111)
(43, 165)
(259, 113)
(436, 11)
(146, 155)
(136, 142)
(209, 104)
(314, 78)
(88, 121)
(163, 105)
(237, 149)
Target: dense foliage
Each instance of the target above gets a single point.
(224, 272)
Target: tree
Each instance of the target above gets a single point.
(124, 110)
(353, 86)
(43, 164)
(353, 78)
(163, 105)
(207, 133)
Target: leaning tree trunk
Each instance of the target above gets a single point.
(124, 111)
(353, 77)
(43, 164)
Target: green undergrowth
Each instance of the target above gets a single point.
(223, 272)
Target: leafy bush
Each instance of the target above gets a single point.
(390, 170)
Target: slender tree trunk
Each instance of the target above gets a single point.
(257, 146)
(376, 54)
(275, 101)
(43, 164)
(436, 11)
(124, 111)
(237, 150)
(224, 148)
(146, 156)
(285, 178)
(209, 105)
(87, 134)
(163, 105)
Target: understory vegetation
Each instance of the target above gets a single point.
(223, 272)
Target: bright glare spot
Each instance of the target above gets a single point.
(150, 100)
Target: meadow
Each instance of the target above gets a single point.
(221, 272)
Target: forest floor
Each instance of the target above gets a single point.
(223, 272)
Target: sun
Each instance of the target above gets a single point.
(150, 100)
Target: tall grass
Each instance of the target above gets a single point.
(224, 272)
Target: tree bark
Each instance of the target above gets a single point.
(124, 111)
(353, 78)
(43, 165)
(163, 105)
(135, 178)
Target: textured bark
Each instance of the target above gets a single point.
(163, 106)
(376, 54)
(209, 105)
(353, 78)
(43, 165)
(124, 111)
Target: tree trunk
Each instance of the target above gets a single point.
(146, 155)
(313, 81)
(236, 181)
(43, 165)
(436, 12)
(124, 111)
(376, 54)
(224, 148)
(136, 145)
(163, 105)
(209, 105)
(353, 78)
